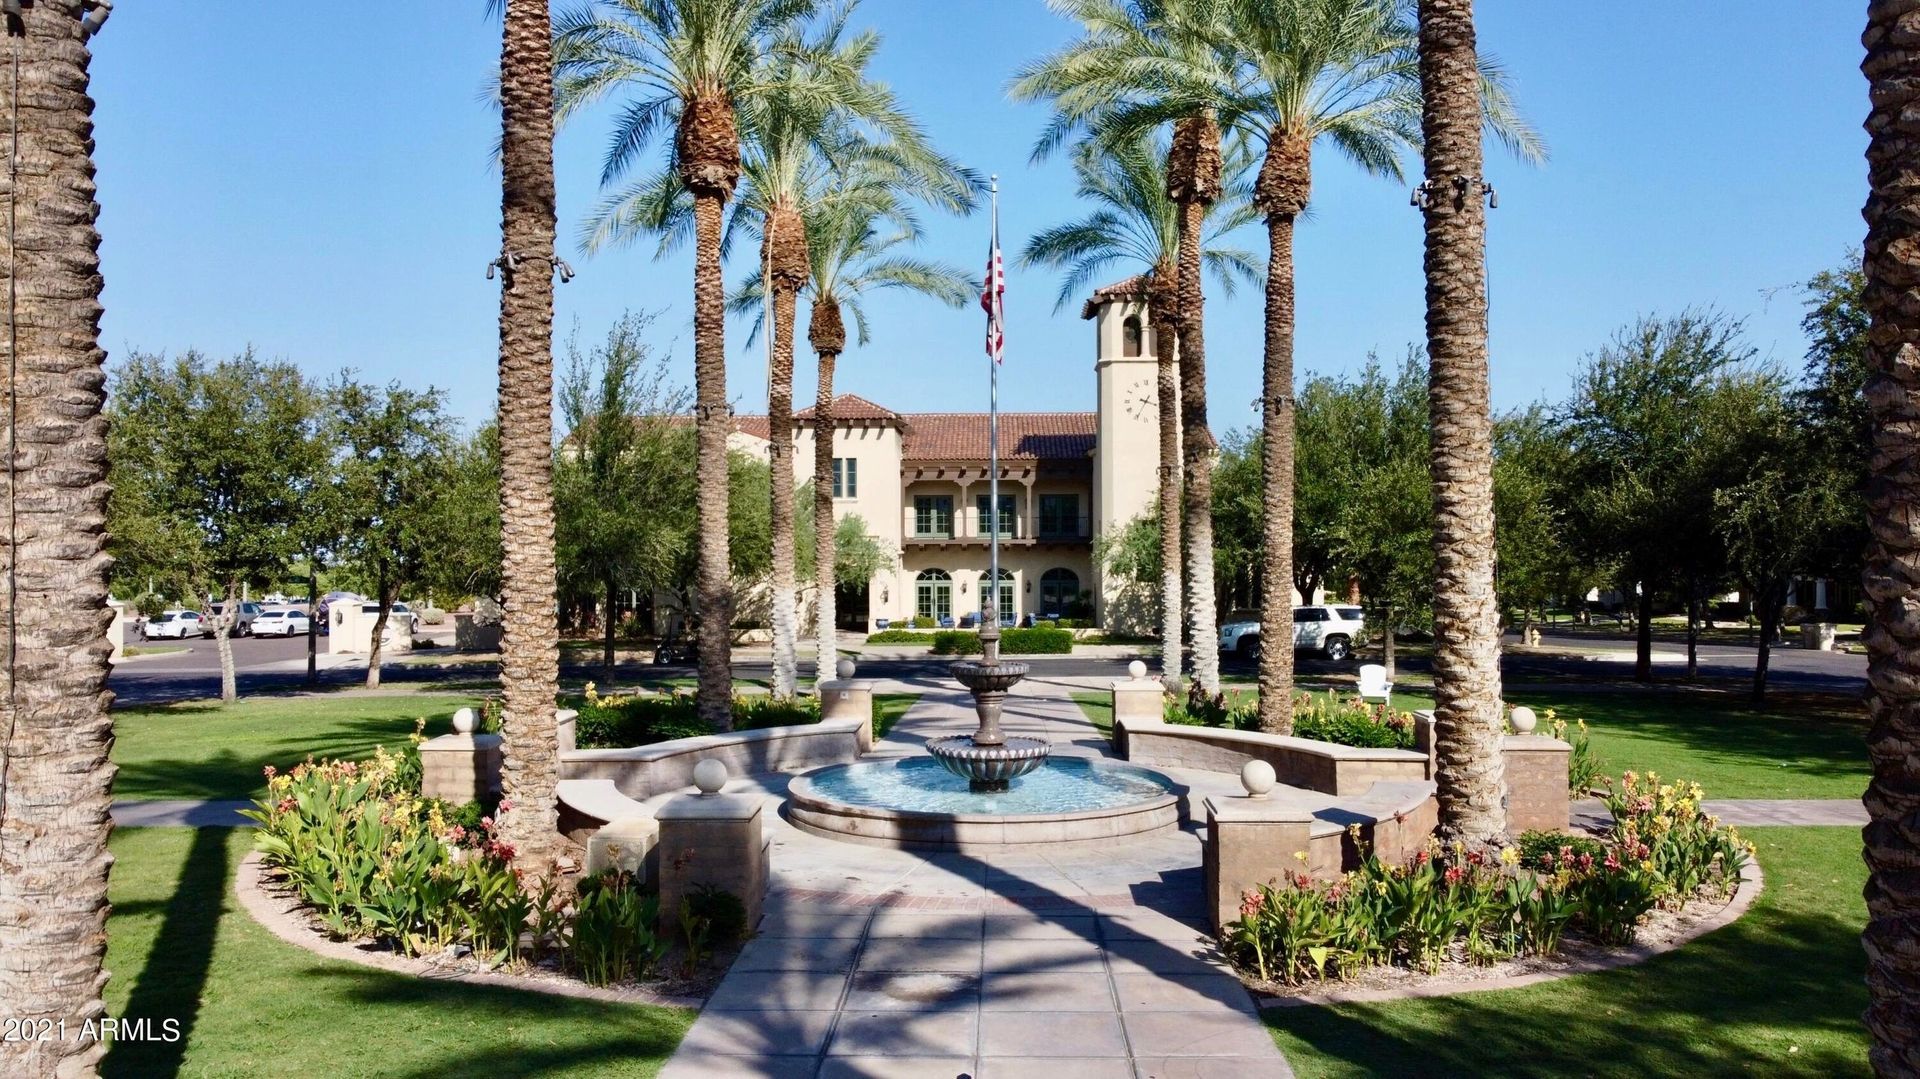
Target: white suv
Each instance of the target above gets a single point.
(1327, 629)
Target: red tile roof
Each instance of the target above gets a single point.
(850, 406)
(962, 436)
(1131, 288)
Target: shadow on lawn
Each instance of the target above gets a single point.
(174, 979)
(1733, 1001)
(603, 1034)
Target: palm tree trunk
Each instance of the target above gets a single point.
(55, 778)
(1163, 292)
(1466, 616)
(826, 654)
(784, 616)
(1198, 447)
(1282, 193)
(530, 648)
(223, 642)
(1891, 580)
(713, 580)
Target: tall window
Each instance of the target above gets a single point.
(1060, 515)
(1059, 588)
(933, 516)
(1130, 336)
(1005, 596)
(933, 594)
(1009, 519)
(846, 477)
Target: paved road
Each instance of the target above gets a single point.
(267, 665)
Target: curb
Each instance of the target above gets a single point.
(278, 916)
(1751, 882)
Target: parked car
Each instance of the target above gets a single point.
(1329, 630)
(283, 623)
(243, 619)
(674, 650)
(176, 624)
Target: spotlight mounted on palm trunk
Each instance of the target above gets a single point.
(1463, 189)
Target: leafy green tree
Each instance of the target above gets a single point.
(1536, 562)
(1833, 402)
(465, 560)
(395, 447)
(1633, 427)
(607, 472)
(214, 494)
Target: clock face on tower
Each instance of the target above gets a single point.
(1141, 402)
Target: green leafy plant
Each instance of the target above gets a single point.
(614, 937)
(640, 719)
(899, 636)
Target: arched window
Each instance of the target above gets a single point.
(1059, 588)
(1130, 336)
(1005, 595)
(933, 594)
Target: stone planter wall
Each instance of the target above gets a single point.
(644, 771)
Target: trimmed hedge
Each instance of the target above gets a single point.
(1035, 641)
(899, 636)
(620, 722)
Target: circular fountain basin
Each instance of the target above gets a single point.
(992, 767)
(915, 802)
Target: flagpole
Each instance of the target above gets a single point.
(993, 437)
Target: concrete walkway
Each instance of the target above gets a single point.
(1060, 962)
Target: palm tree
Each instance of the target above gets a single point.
(1139, 64)
(1893, 546)
(1137, 224)
(687, 64)
(530, 648)
(1345, 71)
(55, 778)
(822, 118)
(1466, 617)
(855, 231)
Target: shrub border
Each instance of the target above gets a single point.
(280, 914)
(1751, 881)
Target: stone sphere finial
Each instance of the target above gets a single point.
(1258, 778)
(709, 775)
(463, 721)
(844, 669)
(1136, 670)
(1523, 719)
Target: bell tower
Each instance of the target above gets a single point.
(1126, 457)
(1127, 451)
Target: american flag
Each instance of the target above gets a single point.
(993, 299)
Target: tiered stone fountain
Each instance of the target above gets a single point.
(988, 759)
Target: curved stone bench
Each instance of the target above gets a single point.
(1297, 762)
(640, 772)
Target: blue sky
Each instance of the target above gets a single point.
(313, 180)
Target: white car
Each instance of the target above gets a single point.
(176, 624)
(286, 623)
(1329, 630)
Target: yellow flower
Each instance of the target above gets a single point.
(1300, 855)
(1510, 855)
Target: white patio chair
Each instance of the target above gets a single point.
(1374, 685)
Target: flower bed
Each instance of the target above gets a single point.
(1325, 717)
(641, 719)
(1454, 906)
(374, 862)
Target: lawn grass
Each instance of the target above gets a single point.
(1098, 705)
(1779, 992)
(204, 749)
(1799, 746)
(887, 710)
(249, 1004)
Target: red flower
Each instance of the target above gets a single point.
(1455, 874)
(270, 771)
